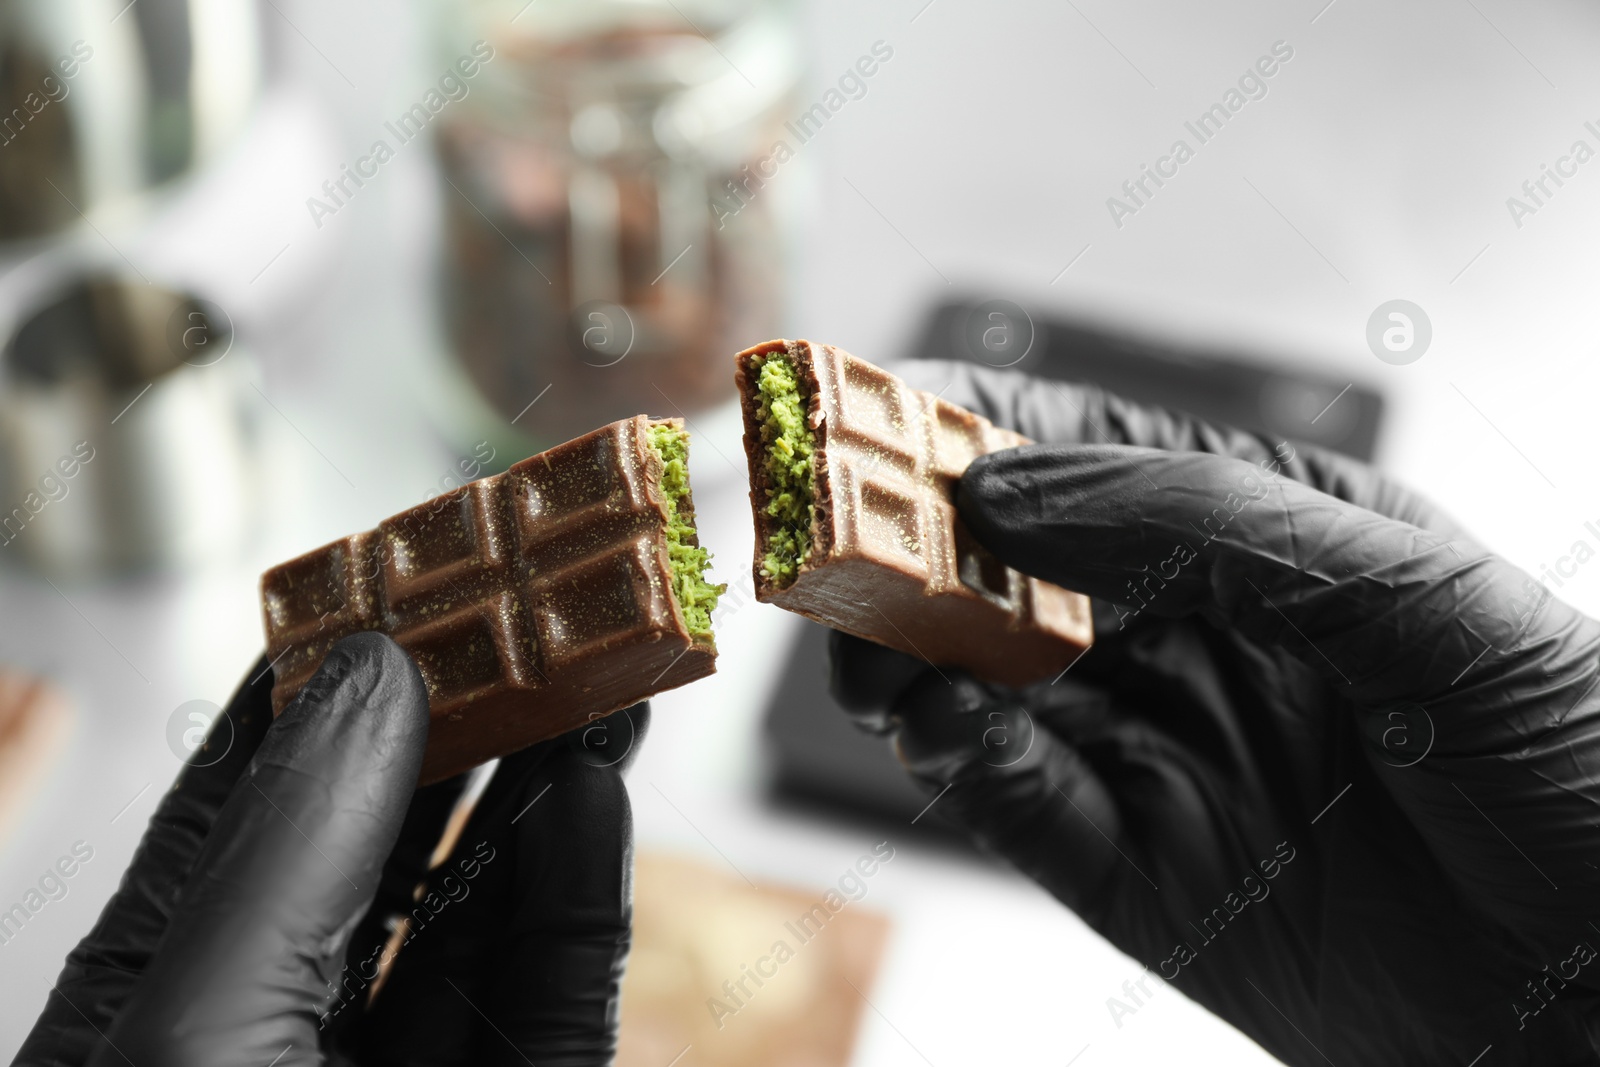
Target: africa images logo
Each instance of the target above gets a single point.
(1399, 332)
(852, 886)
(51, 886)
(190, 735)
(454, 86)
(1137, 192)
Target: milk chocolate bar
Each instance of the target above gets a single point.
(852, 482)
(532, 601)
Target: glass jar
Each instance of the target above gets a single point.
(608, 245)
(99, 111)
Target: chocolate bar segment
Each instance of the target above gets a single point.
(532, 601)
(879, 550)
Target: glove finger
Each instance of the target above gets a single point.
(1093, 800)
(1501, 674)
(560, 978)
(607, 741)
(258, 934)
(1387, 612)
(404, 872)
(866, 679)
(1053, 412)
(1023, 793)
(100, 973)
(612, 740)
(516, 951)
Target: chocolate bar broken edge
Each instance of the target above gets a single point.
(467, 731)
(799, 353)
(656, 475)
(1034, 651)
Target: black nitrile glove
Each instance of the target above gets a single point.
(1330, 768)
(250, 926)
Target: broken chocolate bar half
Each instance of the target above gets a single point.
(852, 482)
(533, 601)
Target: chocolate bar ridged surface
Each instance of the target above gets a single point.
(533, 601)
(890, 559)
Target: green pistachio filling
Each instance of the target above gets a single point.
(791, 504)
(696, 597)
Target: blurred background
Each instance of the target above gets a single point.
(271, 271)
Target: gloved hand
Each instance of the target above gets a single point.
(1330, 768)
(251, 924)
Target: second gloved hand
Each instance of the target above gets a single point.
(1330, 768)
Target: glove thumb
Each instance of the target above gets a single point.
(292, 862)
